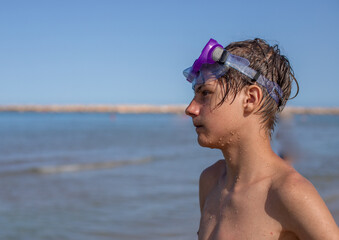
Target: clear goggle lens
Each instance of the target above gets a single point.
(208, 72)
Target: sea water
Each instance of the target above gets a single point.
(112, 176)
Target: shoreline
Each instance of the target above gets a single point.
(96, 108)
(144, 109)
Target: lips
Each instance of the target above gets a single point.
(197, 125)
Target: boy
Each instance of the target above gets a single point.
(252, 193)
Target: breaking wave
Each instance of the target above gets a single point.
(77, 167)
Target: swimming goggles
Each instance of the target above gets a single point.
(214, 62)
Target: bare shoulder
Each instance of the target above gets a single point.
(209, 178)
(213, 171)
(299, 207)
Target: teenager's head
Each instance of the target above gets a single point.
(271, 64)
(273, 67)
(217, 125)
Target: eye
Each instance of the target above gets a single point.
(205, 93)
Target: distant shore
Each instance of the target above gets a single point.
(133, 109)
(139, 109)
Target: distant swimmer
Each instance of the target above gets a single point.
(251, 193)
(284, 137)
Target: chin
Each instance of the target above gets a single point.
(206, 143)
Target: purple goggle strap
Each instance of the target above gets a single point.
(242, 65)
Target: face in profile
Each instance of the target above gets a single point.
(216, 125)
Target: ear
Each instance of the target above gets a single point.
(252, 100)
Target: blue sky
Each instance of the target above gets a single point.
(133, 52)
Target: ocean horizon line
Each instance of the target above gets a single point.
(141, 109)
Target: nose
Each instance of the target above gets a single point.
(192, 109)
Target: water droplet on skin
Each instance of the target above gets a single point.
(238, 136)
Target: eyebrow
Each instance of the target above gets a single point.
(198, 89)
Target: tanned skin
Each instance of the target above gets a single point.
(252, 193)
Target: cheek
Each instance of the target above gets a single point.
(226, 119)
(214, 129)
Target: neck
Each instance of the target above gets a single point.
(248, 157)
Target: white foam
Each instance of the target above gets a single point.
(87, 166)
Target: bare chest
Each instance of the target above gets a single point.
(245, 215)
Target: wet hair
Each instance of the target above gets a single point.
(270, 63)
